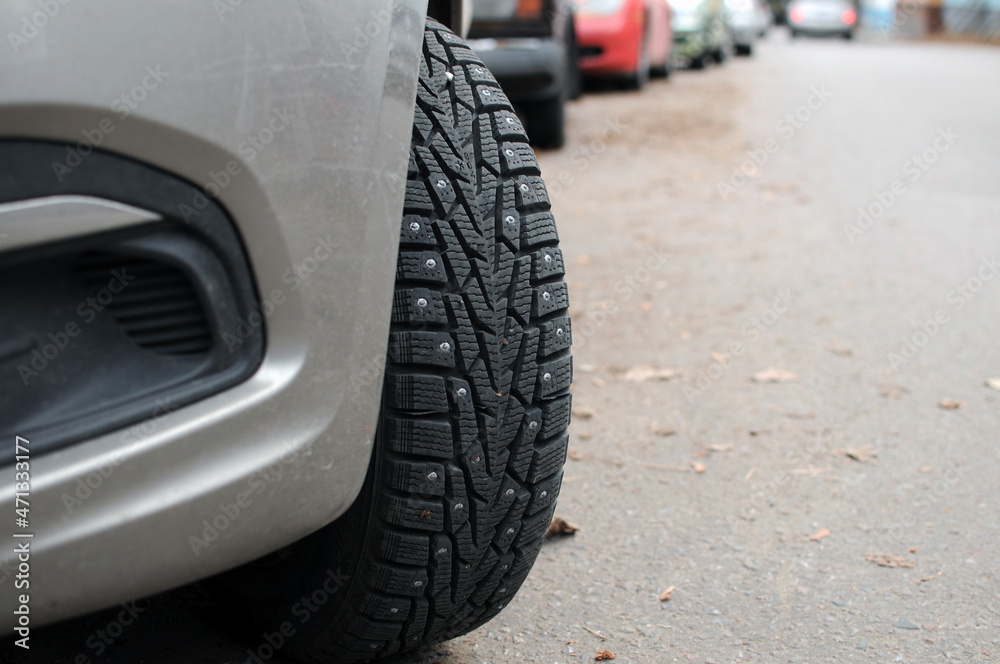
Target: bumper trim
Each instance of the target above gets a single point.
(54, 218)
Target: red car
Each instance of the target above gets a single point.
(625, 39)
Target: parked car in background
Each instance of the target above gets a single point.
(779, 11)
(531, 48)
(748, 21)
(629, 40)
(700, 32)
(253, 339)
(823, 17)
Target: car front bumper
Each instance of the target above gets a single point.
(528, 69)
(197, 490)
(616, 42)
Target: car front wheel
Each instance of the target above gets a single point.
(472, 435)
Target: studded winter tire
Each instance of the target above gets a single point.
(475, 408)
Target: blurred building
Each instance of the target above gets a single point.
(974, 17)
(917, 18)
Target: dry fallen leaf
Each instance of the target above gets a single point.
(603, 655)
(993, 382)
(861, 454)
(647, 306)
(666, 594)
(642, 373)
(698, 467)
(720, 358)
(707, 450)
(951, 404)
(838, 348)
(584, 413)
(773, 375)
(664, 432)
(560, 526)
(891, 391)
(820, 535)
(574, 454)
(888, 560)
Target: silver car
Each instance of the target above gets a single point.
(823, 17)
(283, 305)
(748, 21)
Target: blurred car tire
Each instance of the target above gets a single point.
(545, 121)
(476, 404)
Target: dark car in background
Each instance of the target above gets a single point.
(531, 48)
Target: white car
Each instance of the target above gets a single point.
(823, 17)
(748, 20)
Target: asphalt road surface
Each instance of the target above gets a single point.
(825, 217)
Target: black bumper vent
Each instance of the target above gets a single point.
(104, 330)
(158, 306)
